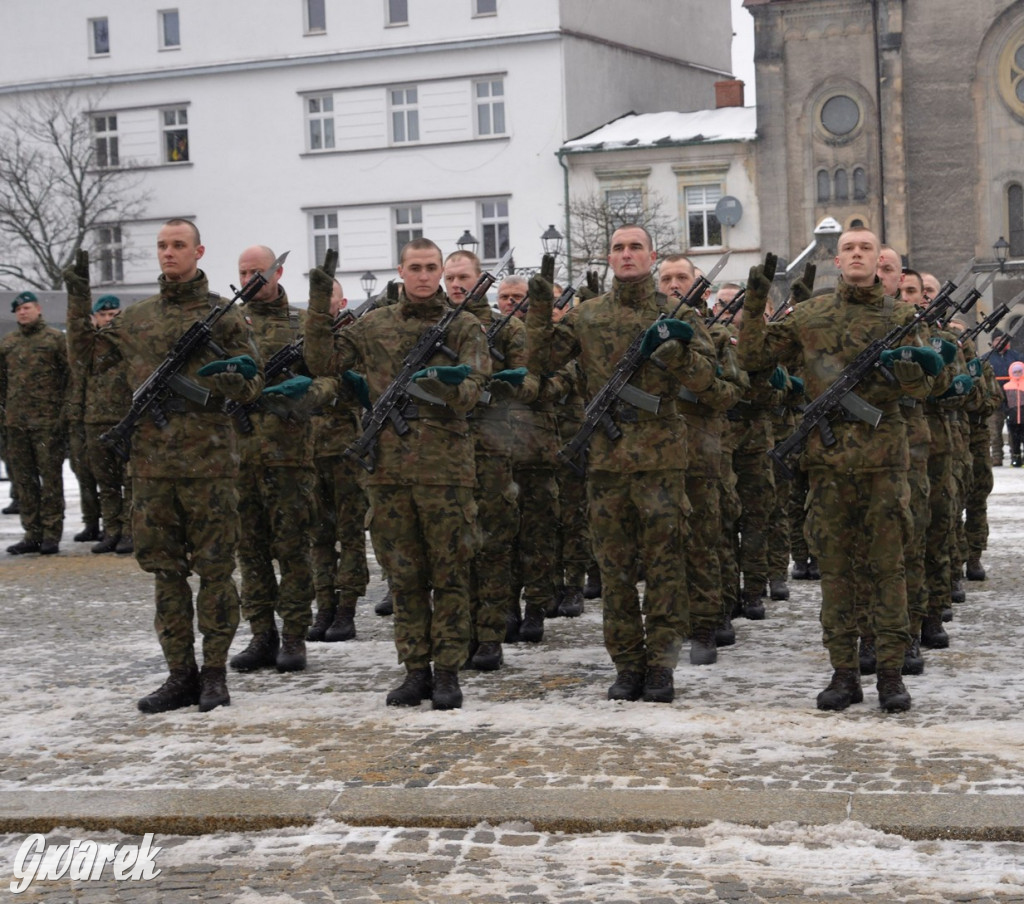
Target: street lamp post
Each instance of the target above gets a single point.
(551, 241)
(1001, 249)
(369, 282)
(467, 242)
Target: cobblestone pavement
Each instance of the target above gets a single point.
(81, 649)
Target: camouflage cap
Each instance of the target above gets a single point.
(23, 298)
(106, 303)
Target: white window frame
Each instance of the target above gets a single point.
(394, 17)
(405, 112)
(180, 124)
(323, 232)
(161, 17)
(93, 26)
(705, 208)
(633, 190)
(110, 245)
(480, 9)
(320, 122)
(495, 236)
(407, 224)
(321, 14)
(489, 107)
(105, 137)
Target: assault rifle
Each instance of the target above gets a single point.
(841, 395)
(985, 325)
(167, 379)
(973, 294)
(599, 409)
(388, 407)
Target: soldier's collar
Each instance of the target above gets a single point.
(197, 287)
(634, 294)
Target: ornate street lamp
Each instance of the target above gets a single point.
(467, 242)
(369, 282)
(552, 241)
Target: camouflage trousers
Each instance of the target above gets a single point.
(996, 426)
(728, 543)
(425, 537)
(535, 558)
(779, 531)
(640, 518)
(857, 523)
(976, 517)
(755, 485)
(35, 456)
(963, 477)
(112, 482)
(915, 550)
(942, 510)
(81, 465)
(180, 527)
(275, 517)
(797, 514)
(703, 569)
(491, 568)
(339, 532)
(573, 537)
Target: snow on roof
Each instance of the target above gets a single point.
(669, 128)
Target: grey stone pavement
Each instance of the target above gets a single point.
(309, 789)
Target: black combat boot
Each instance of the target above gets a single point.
(213, 688)
(892, 694)
(551, 607)
(799, 572)
(446, 693)
(107, 544)
(571, 605)
(842, 690)
(12, 508)
(725, 633)
(532, 628)
(180, 689)
(813, 571)
(703, 647)
(867, 656)
(913, 661)
(260, 654)
(49, 548)
(417, 687)
(292, 655)
(513, 619)
(487, 658)
(125, 546)
(344, 625)
(326, 606)
(753, 605)
(956, 590)
(592, 589)
(933, 635)
(778, 589)
(629, 685)
(24, 546)
(387, 605)
(90, 533)
(658, 685)
(975, 570)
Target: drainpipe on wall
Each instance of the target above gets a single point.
(879, 121)
(560, 154)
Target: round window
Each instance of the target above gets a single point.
(840, 115)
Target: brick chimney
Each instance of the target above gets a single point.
(729, 93)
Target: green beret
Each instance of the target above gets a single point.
(23, 298)
(106, 303)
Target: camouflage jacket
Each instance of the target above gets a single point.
(198, 441)
(34, 376)
(438, 449)
(103, 383)
(822, 336)
(599, 332)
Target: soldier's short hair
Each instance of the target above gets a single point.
(676, 258)
(643, 229)
(513, 279)
(180, 221)
(419, 244)
(463, 255)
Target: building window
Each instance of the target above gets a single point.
(99, 37)
(1015, 219)
(860, 184)
(494, 226)
(405, 117)
(325, 234)
(170, 34)
(104, 132)
(398, 12)
(111, 254)
(624, 205)
(320, 115)
(1010, 73)
(316, 17)
(704, 230)
(408, 226)
(840, 115)
(175, 128)
(490, 106)
(824, 186)
(485, 7)
(842, 185)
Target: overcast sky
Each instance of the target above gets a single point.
(743, 49)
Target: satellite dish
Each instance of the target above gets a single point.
(729, 210)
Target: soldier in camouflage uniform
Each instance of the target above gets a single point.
(184, 474)
(636, 483)
(34, 378)
(275, 484)
(340, 573)
(78, 453)
(858, 506)
(422, 512)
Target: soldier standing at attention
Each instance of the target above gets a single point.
(636, 483)
(857, 513)
(423, 516)
(34, 379)
(184, 474)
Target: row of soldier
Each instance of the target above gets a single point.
(455, 502)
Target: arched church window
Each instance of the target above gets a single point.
(860, 184)
(842, 185)
(1015, 218)
(824, 186)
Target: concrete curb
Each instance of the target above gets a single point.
(199, 812)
